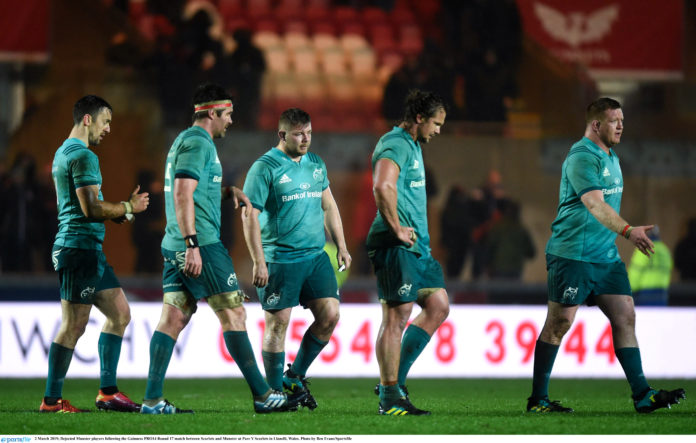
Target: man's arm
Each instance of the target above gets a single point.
(333, 223)
(607, 216)
(186, 219)
(97, 209)
(237, 196)
(252, 235)
(385, 178)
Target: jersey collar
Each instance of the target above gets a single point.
(597, 148)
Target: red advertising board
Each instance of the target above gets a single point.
(25, 30)
(639, 39)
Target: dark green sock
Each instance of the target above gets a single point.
(544, 357)
(58, 362)
(633, 368)
(389, 394)
(109, 353)
(414, 341)
(273, 363)
(239, 347)
(161, 348)
(310, 347)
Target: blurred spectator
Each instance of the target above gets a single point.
(246, 66)
(685, 253)
(490, 88)
(364, 213)
(650, 276)
(455, 230)
(148, 226)
(485, 202)
(19, 221)
(46, 208)
(508, 244)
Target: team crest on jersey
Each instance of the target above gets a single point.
(305, 186)
(570, 293)
(87, 292)
(273, 299)
(405, 290)
(232, 279)
(318, 174)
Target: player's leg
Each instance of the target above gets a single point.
(273, 348)
(113, 304)
(74, 318)
(620, 311)
(177, 310)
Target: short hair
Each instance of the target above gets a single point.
(423, 103)
(208, 92)
(595, 110)
(293, 117)
(89, 104)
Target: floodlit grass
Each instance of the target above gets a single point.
(349, 407)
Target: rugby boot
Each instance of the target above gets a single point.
(116, 402)
(654, 399)
(61, 407)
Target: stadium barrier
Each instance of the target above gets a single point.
(475, 341)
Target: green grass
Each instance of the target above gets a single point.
(348, 407)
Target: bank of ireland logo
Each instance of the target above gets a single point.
(318, 174)
(232, 279)
(405, 289)
(570, 293)
(273, 299)
(87, 292)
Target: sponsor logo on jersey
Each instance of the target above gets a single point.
(284, 179)
(611, 191)
(617, 180)
(318, 174)
(570, 293)
(305, 186)
(273, 299)
(217, 179)
(606, 172)
(87, 292)
(404, 290)
(300, 195)
(232, 279)
(417, 183)
(415, 164)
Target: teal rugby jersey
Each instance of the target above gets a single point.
(288, 194)
(76, 166)
(576, 234)
(398, 146)
(193, 155)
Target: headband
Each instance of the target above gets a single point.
(212, 105)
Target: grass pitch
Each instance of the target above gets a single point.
(349, 407)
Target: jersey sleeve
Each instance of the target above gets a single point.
(85, 169)
(257, 184)
(192, 158)
(325, 183)
(583, 172)
(391, 150)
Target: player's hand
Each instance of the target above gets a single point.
(343, 259)
(139, 201)
(406, 235)
(193, 265)
(240, 198)
(639, 238)
(260, 275)
(119, 220)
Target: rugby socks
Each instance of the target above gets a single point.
(633, 368)
(389, 394)
(239, 347)
(414, 341)
(161, 348)
(544, 357)
(310, 347)
(109, 352)
(273, 364)
(58, 362)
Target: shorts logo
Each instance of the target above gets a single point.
(232, 279)
(405, 290)
(318, 174)
(304, 186)
(570, 293)
(273, 299)
(87, 292)
(180, 260)
(54, 258)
